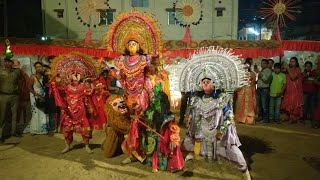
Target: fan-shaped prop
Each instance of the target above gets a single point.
(142, 24)
(218, 64)
(187, 12)
(87, 11)
(277, 10)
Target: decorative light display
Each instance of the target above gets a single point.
(277, 11)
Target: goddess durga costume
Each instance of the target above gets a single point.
(153, 135)
(132, 77)
(71, 95)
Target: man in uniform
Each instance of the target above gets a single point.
(9, 96)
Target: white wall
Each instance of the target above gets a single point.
(211, 27)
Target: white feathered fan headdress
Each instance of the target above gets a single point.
(220, 65)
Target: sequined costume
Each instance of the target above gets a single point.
(72, 92)
(132, 78)
(73, 112)
(215, 73)
(211, 115)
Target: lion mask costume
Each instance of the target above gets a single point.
(118, 125)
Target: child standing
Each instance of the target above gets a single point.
(277, 87)
(309, 91)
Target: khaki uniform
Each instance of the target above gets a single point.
(9, 98)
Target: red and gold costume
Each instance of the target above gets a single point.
(72, 94)
(73, 112)
(132, 77)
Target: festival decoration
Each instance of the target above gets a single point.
(186, 13)
(277, 10)
(275, 13)
(87, 11)
(144, 25)
(219, 64)
(88, 15)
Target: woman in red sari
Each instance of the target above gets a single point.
(245, 110)
(293, 97)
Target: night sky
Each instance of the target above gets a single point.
(25, 16)
(309, 11)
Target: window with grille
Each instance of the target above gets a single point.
(140, 3)
(219, 13)
(171, 20)
(106, 17)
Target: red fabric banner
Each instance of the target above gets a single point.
(293, 45)
(30, 49)
(49, 50)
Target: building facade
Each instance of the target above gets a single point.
(71, 19)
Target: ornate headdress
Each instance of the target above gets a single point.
(216, 63)
(132, 36)
(74, 62)
(136, 26)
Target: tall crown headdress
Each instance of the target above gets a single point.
(144, 25)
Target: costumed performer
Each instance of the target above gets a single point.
(212, 128)
(161, 144)
(211, 131)
(133, 66)
(71, 94)
(118, 125)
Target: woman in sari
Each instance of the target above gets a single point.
(292, 102)
(245, 110)
(39, 121)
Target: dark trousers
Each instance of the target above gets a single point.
(8, 102)
(185, 97)
(309, 105)
(263, 97)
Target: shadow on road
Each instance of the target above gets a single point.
(7, 146)
(314, 162)
(252, 145)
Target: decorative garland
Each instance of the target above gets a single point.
(187, 8)
(85, 23)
